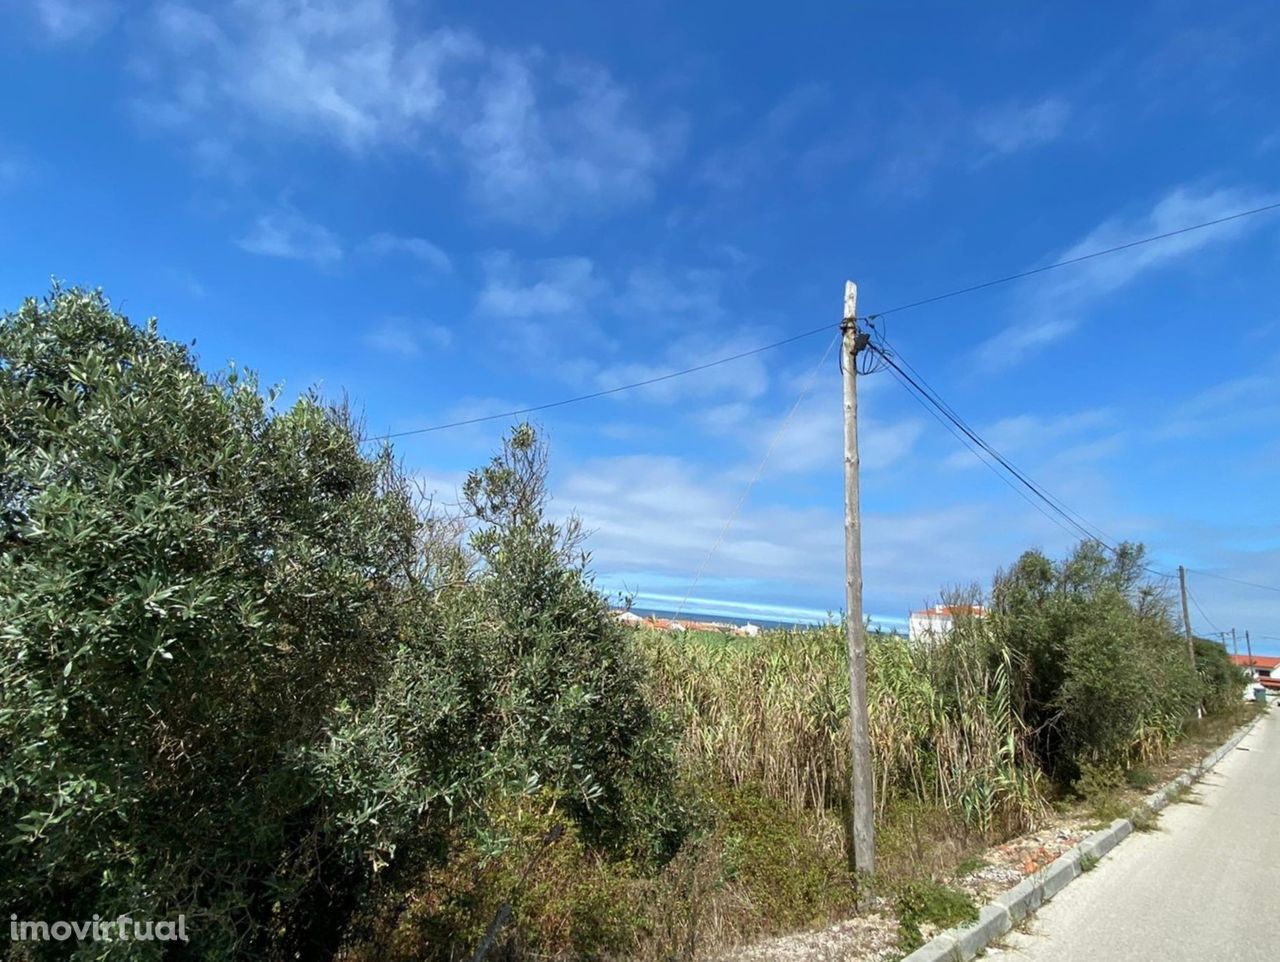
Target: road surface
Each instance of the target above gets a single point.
(1205, 885)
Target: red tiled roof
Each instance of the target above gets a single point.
(1264, 662)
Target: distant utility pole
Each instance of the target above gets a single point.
(1235, 649)
(1186, 624)
(1186, 616)
(1248, 646)
(862, 777)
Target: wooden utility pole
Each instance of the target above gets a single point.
(861, 776)
(1248, 646)
(1186, 616)
(1235, 649)
(1186, 624)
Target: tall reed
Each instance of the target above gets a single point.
(772, 711)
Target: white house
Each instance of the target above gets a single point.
(938, 621)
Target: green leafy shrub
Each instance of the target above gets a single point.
(244, 674)
(1100, 674)
(189, 583)
(526, 864)
(516, 681)
(780, 863)
(1221, 681)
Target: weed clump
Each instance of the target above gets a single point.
(925, 902)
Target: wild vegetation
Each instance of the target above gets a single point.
(249, 675)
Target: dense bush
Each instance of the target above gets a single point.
(243, 671)
(518, 684)
(189, 583)
(1102, 675)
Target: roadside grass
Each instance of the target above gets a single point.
(1144, 819)
(763, 721)
(970, 865)
(1100, 796)
(925, 902)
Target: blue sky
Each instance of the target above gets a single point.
(449, 210)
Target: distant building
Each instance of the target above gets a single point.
(938, 621)
(1265, 670)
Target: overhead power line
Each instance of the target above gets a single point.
(1072, 523)
(533, 409)
(607, 391)
(1075, 260)
(1091, 531)
(931, 409)
(1048, 505)
(1251, 584)
(1034, 494)
(1201, 610)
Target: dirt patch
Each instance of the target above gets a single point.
(871, 937)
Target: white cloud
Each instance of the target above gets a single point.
(1015, 127)
(663, 514)
(1056, 308)
(672, 298)
(536, 151)
(1036, 434)
(343, 70)
(420, 249)
(537, 139)
(551, 287)
(409, 338)
(745, 378)
(286, 233)
(65, 20)
(928, 133)
(652, 520)
(814, 439)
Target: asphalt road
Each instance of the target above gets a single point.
(1204, 886)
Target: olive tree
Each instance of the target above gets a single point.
(191, 585)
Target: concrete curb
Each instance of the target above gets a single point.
(1011, 907)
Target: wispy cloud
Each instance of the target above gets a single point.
(420, 249)
(409, 338)
(931, 133)
(1037, 435)
(66, 20)
(286, 233)
(1015, 127)
(652, 519)
(537, 139)
(1058, 306)
(339, 70)
(538, 150)
(767, 144)
(747, 378)
(1245, 403)
(550, 287)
